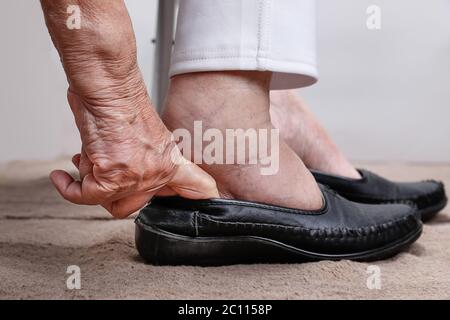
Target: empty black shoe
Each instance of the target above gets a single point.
(427, 196)
(178, 231)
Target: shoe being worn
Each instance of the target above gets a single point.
(427, 196)
(179, 231)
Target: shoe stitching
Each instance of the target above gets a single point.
(269, 207)
(334, 233)
(196, 223)
(221, 202)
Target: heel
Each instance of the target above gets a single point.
(159, 247)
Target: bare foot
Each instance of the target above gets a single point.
(305, 135)
(240, 100)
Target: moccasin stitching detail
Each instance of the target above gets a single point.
(329, 233)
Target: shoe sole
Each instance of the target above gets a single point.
(429, 212)
(159, 247)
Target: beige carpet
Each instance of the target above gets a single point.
(41, 235)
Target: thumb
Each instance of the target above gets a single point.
(190, 181)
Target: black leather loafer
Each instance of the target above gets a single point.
(427, 196)
(178, 231)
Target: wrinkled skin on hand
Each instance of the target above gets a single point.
(127, 154)
(127, 157)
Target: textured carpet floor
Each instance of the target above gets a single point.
(41, 235)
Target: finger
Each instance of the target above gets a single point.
(67, 187)
(124, 207)
(94, 192)
(85, 164)
(87, 192)
(190, 181)
(76, 160)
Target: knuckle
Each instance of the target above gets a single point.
(166, 170)
(118, 177)
(167, 164)
(143, 171)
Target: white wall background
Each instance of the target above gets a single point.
(384, 95)
(35, 120)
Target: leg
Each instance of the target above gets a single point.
(306, 136)
(231, 100)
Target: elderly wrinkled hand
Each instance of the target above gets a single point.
(125, 161)
(127, 152)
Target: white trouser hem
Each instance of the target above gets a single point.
(286, 74)
(261, 35)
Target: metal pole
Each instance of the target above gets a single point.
(163, 50)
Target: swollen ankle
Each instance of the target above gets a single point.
(239, 101)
